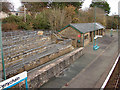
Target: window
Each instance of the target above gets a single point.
(16, 14)
(86, 36)
(78, 41)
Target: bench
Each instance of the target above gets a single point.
(95, 47)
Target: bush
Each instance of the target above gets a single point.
(112, 22)
(9, 26)
(18, 21)
(41, 22)
(25, 26)
(12, 19)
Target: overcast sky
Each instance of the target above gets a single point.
(113, 4)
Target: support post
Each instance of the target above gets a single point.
(117, 28)
(111, 32)
(83, 40)
(26, 84)
(2, 56)
(24, 14)
(94, 27)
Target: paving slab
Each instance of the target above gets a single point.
(89, 69)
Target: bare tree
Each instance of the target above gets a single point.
(56, 18)
(7, 6)
(88, 16)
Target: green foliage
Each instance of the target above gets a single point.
(63, 4)
(12, 19)
(112, 22)
(23, 25)
(39, 6)
(59, 15)
(9, 26)
(103, 5)
(19, 21)
(41, 21)
(35, 6)
(29, 18)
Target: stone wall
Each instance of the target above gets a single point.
(41, 76)
(35, 62)
(71, 33)
(19, 52)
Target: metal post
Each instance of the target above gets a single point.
(94, 27)
(118, 23)
(111, 32)
(3, 65)
(117, 28)
(83, 40)
(26, 84)
(24, 13)
(112, 28)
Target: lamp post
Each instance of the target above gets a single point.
(118, 23)
(2, 56)
(117, 28)
(111, 32)
(94, 26)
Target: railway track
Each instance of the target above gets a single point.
(113, 79)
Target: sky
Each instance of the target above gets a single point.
(113, 5)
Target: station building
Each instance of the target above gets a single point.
(82, 33)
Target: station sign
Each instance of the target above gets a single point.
(79, 35)
(14, 80)
(97, 36)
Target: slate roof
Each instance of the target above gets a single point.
(85, 27)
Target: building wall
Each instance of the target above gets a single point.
(86, 38)
(92, 36)
(103, 31)
(44, 74)
(71, 33)
(3, 15)
(17, 13)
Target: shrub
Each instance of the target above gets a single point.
(12, 19)
(9, 26)
(18, 21)
(41, 21)
(25, 26)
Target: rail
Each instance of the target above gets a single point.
(110, 73)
